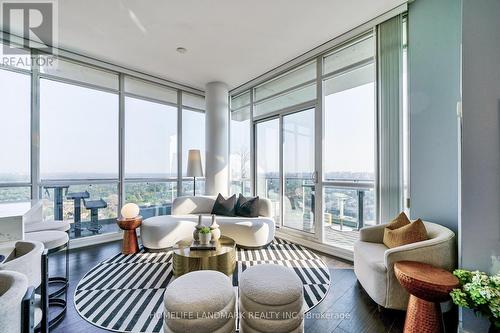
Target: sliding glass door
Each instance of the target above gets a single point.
(285, 170)
(298, 171)
(267, 136)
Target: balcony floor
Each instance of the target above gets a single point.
(344, 238)
(340, 238)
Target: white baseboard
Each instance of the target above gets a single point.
(327, 249)
(94, 240)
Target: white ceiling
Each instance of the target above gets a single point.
(227, 40)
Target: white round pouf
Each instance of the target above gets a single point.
(200, 302)
(271, 300)
(162, 232)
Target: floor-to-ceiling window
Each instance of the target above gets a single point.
(299, 186)
(193, 137)
(349, 158)
(79, 146)
(15, 172)
(239, 156)
(89, 138)
(267, 161)
(150, 152)
(317, 157)
(284, 143)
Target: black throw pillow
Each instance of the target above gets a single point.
(225, 207)
(247, 207)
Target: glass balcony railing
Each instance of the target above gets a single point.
(188, 186)
(153, 198)
(243, 186)
(92, 208)
(348, 205)
(15, 194)
(349, 208)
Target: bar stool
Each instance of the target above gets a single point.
(77, 204)
(55, 241)
(94, 206)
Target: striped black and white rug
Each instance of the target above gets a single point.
(125, 292)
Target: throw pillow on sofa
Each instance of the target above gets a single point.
(400, 221)
(247, 207)
(224, 207)
(407, 234)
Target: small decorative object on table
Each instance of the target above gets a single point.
(205, 235)
(198, 227)
(128, 222)
(479, 292)
(214, 227)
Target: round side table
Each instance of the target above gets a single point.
(130, 244)
(428, 286)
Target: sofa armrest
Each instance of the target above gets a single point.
(372, 234)
(439, 252)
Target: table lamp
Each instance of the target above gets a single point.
(128, 222)
(194, 168)
(130, 211)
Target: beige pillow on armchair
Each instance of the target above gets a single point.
(401, 232)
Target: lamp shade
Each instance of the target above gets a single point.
(194, 168)
(130, 210)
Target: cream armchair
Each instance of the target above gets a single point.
(374, 262)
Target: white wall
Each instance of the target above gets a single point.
(480, 217)
(434, 90)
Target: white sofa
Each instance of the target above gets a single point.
(374, 262)
(162, 232)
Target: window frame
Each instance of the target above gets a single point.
(358, 35)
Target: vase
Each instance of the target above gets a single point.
(196, 232)
(214, 229)
(205, 238)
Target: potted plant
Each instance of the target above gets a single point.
(479, 292)
(205, 235)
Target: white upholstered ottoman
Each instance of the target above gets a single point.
(162, 232)
(200, 302)
(271, 300)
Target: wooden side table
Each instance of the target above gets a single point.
(130, 244)
(428, 286)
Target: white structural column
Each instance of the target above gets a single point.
(216, 138)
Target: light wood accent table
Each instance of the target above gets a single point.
(130, 244)
(222, 259)
(428, 286)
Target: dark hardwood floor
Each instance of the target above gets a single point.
(346, 308)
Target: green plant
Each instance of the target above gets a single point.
(205, 230)
(478, 292)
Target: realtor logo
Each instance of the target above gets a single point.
(30, 24)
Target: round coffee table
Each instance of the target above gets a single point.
(222, 259)
(428, 286)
